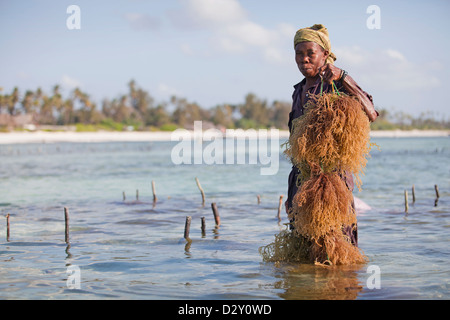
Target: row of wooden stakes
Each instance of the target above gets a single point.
(214, 209)
(187, 226)
(436, 189)
(188, 218)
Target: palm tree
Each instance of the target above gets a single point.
(255, 110)
(67, 114)
(11, 101)
(2, 100)
(223, 115)
(187, 112)
(27, 102)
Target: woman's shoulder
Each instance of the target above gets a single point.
(300, 84)
(298, 87)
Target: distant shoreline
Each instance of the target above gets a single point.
(409, 133)
(117, 136)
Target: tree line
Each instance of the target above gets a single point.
(138, 109)
(392, 120)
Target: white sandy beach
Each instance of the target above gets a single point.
(52, 137)
(409, 133)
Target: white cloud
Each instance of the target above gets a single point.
(229, 45)
(248, 36)
(274, 54)
(394, 54)
(70, 83)
(387, 69)
(215, 12)
(249, 33)
(233, 31)
(353, 55)
(287, 30)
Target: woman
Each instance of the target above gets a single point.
(315, 61)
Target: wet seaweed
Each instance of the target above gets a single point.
(287, 247)
(322, 204)
(332, 249)
(330, 140)
(332, 135)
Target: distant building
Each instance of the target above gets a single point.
(19, 121)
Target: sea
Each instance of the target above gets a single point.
(124, 245)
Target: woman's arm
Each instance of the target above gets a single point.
(331, 72)
(366, 100)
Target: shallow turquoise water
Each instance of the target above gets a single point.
(136, 250)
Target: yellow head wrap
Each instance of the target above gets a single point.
(318, 34)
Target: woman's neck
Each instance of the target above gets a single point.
(310, 81)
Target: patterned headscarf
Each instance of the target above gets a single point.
(318, 34)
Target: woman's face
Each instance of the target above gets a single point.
(310, 57)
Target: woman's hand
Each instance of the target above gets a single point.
(330, 73)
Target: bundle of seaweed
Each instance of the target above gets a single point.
(336, 248)
(287, 247)
(321, 208)
(332, 249)
(333, 134)
(329, 141)
(322, 204)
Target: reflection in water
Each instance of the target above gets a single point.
(216, 232)
(187, 248)
(69, 255)
(306, 281)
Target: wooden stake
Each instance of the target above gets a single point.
(7, 227)
(187, 227)
(280, 205)
(413, 194)
(216, 213)
(201, 190)
(203, 226)
(154, 192)
(406, 201)
(137, 195)
(437, 190)
(66, 218)
(124, 197)
(437, 195)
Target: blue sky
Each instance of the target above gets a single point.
(216, 51)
